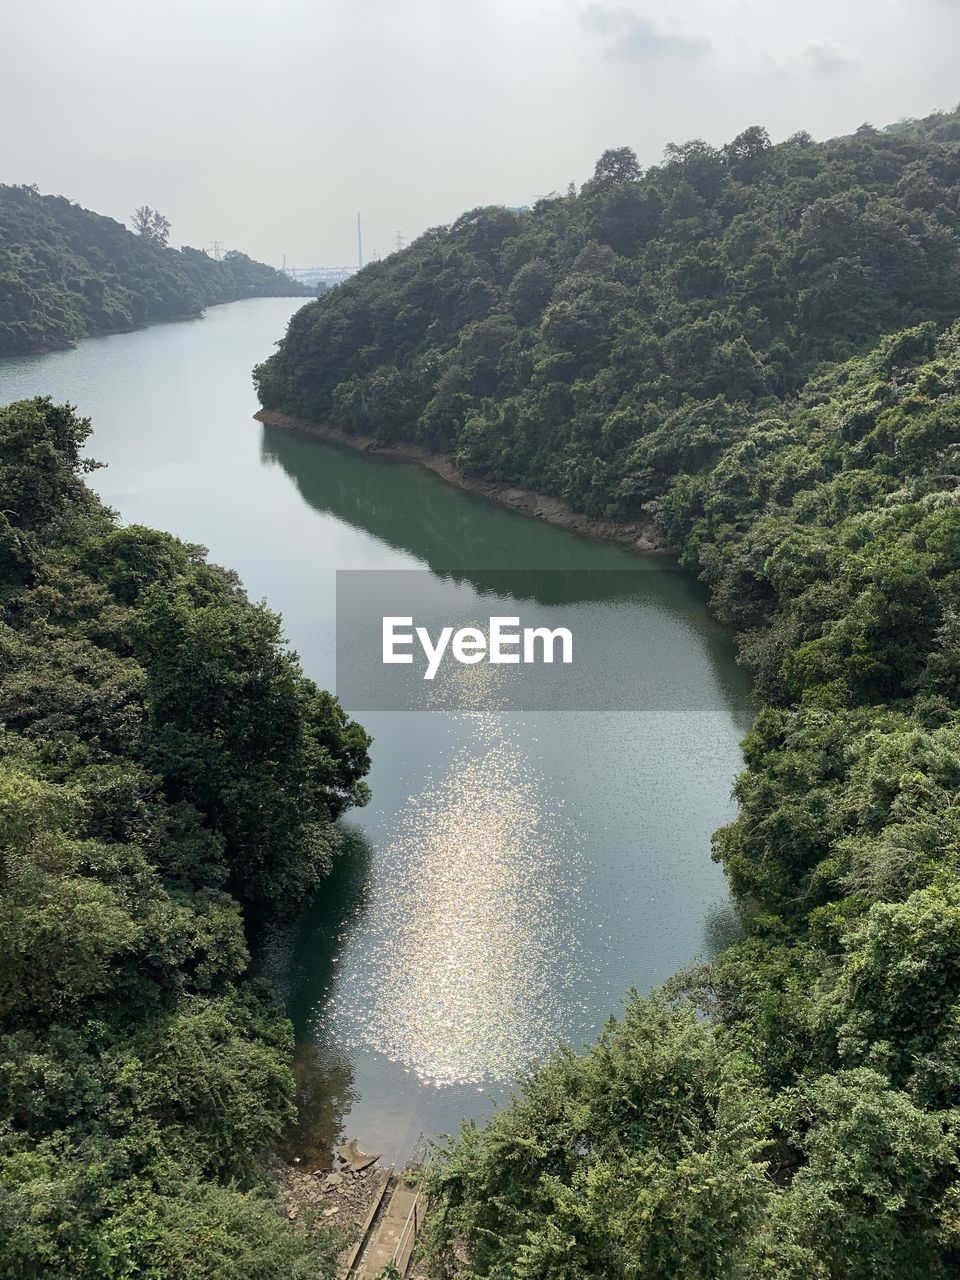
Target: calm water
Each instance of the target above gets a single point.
(513, 874)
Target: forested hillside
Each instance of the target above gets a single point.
(167, 774)
(67, 273)
(661, 343)
(811, 1127)
(592, 346)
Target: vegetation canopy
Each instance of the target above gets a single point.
(167, 777)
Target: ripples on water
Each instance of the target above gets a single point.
(466, 966)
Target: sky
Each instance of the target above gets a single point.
(267, 126)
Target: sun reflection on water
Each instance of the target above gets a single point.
(468, 967)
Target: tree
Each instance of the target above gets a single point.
(151, 224)
(749, 144)
(614, 167)
(644, 1157)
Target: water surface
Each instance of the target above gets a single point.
(514, 874)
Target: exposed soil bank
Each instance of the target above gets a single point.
(638, 536)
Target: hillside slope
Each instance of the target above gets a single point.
(594, 345)
(167, 774)
(67, 273)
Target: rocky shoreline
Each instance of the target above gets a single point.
(342, 1199)
(640, 536)
(373, 1208)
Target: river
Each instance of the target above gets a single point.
(514, 874)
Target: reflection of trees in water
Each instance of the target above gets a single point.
(299, 957)
(722, 927)
(325, 1093)
(453, 533)
(399, 504)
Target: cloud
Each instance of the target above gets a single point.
(826, 58)
(625, 33)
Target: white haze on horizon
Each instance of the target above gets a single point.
(267, 126)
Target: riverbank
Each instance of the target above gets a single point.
(72, 343)
(377, 1209)
(639, 536)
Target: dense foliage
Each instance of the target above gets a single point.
(658, 344)
(67, 273)
(567, 347)
(811, 1127)
(166, 774)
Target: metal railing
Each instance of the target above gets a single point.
(420, 1159)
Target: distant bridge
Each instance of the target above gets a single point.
(328, 276)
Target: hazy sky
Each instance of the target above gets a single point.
(267, 125)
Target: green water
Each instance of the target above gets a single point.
(513, 874)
